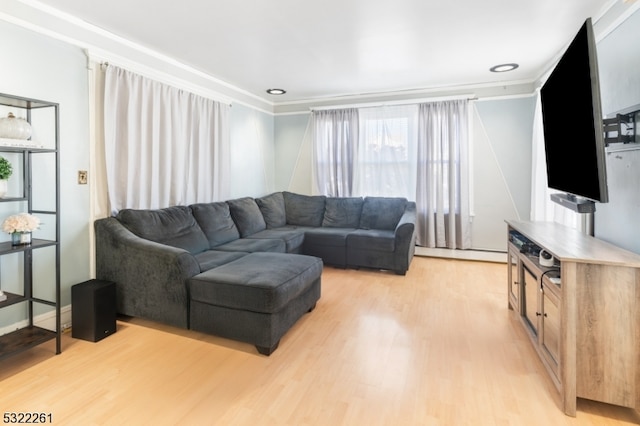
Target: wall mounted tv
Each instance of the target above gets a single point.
(573, 126)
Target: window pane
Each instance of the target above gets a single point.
(387, 151)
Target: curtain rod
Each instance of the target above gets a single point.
(468, 96)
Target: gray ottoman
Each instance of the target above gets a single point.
(255, 299)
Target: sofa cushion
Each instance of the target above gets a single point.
(304, 210)
(342, 212)
(247, 216)
(213, 258)
(292, 238)
(329, 244)
(372, 239)
(382, 212)
(173, 226)
(216, 222)
(252, 245)
(258, 282)
(272, 208)
(334, 237)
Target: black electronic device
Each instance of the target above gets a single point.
(93, 310)
(530, 249)
(573, 125)
(517, 239)
(578, 205)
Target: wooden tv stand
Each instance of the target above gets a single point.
(582, 314)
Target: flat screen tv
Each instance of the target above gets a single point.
(573, 123)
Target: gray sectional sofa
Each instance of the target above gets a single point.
(161, 260)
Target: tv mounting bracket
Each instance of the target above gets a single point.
(623, 128)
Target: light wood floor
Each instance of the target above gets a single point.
(437, 347)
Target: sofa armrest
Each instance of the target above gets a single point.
(407, 223)
(405, 238)
(150, 277)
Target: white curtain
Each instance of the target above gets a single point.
(415, 151)
(163, 146)
(335, 134)
(542, 208)
(387, 152)
(443, 180)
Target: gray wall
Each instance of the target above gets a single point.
(252, 154)
(501, 168)
(39, 67)
(293, 153)
(619, 69)
(619, 66)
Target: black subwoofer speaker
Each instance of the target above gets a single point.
(93, 310)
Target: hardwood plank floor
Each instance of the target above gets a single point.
(437, 347)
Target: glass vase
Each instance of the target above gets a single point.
(20, 238)
(13, 127)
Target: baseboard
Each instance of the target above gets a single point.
(480, 255)
(46, 321)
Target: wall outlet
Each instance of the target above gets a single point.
(82, 177)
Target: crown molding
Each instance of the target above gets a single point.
(108, 47)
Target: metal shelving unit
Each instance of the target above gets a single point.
(32, 335)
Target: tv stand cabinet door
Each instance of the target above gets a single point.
(608, 331)
(550, 330)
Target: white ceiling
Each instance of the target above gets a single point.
(333, 48)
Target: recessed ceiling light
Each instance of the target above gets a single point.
(276, 91)
(503, 67)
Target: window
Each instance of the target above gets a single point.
(386, 154)
(413, 151)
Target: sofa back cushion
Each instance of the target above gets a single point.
(382, 212)
(304, 210)
(272, 208)
(247, 216)
(173, 226)
(342, 212)
(216, 222)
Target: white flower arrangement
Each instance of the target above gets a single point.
(23, 222)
